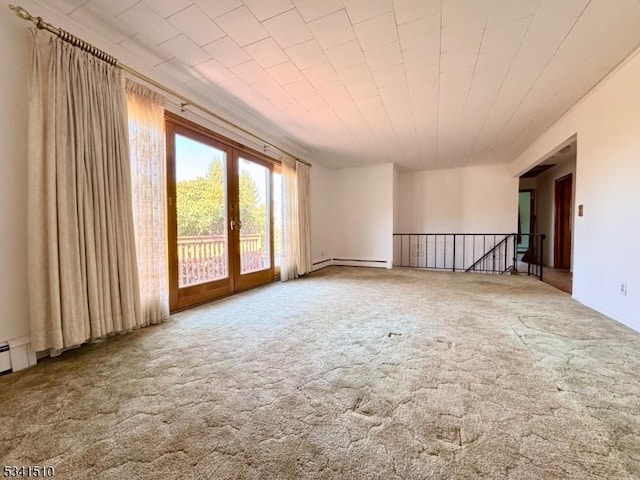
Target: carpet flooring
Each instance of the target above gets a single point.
(350, 373)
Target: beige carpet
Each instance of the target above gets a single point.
(352, 373)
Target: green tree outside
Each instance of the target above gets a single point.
(200, 204)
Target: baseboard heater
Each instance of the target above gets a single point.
(357, 262)
(5, 358)
(349, 262)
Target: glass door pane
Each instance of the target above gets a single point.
(255, 216)
(201, 212)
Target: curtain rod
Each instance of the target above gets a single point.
(87, 47)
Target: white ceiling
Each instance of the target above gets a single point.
(423, 83)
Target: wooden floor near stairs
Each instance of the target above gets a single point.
(561, 279)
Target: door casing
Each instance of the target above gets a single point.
(181, 298)
(562, 224)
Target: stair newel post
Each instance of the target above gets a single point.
(506, 252)
(515, 252)
(542, 238)
(454, 252)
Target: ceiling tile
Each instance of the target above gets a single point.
(112, 7)
(390, 76)
(505, 39)
(313, 103)
(566, 8)
(213, 70)
(462, 58)
(178, 70)
(196, 25)
(288, 29)
(360, 10)
(227, 52)
(68, 6)
(269, 89)
(314, 9)
(409, 10)
(166, 8)
(359, 91)
(421, 56)
(505, 11)
(241, 26)
(321, 74)
(427, 74)
(464, 35)
(185, 49)
(355, 74)
(494, 64)
(424, 32)
(334, 92)
(377, 31)
(285, 72)
(215, 8)
(251, 73)
(345, 55)
(333, 29)
(264, 9)
(237, 86)
(102, 21)
(455, 12)
(266, 52)
(396, 100)
(300, 89)
(144, 49)
(385, 56)
(140, 18)
(307, 54)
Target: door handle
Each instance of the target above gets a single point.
(236, 223)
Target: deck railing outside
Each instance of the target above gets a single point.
(204, 258)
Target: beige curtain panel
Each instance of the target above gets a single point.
(296, 229)
(304, 218)
(83, 278)
(148, 181)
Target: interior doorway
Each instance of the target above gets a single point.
(553, 182)
(526, 218)
(562, 226)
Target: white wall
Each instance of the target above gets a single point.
(482, 199)
(362, 213)
(607, 124)
(321, 214)
(14, 58)
(396, 199)
(545, 205)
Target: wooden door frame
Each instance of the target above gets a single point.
(561, 216)
(195, 294)
(252, 279)
(206, 292)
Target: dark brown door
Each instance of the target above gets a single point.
(563, 217)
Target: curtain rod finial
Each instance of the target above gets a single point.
(21, 12)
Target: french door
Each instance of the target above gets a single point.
(221, 206)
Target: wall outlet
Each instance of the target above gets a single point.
(623, 288)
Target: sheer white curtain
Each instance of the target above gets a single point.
(83, 278)
(296, 217)
(148, 182)
(304, 218)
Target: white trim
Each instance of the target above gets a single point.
(21, 354)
